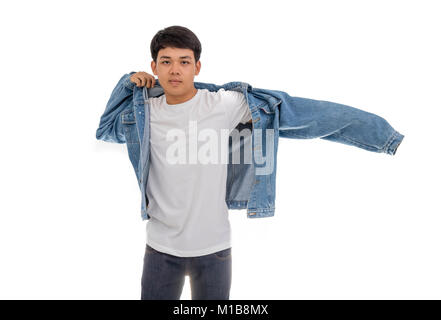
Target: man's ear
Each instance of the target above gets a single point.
(198, 67)
(153, 66)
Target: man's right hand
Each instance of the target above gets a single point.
(142, 79)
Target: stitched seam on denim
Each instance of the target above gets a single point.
(262, 210)
(359, 144)
(390, 141)
(295, 134)
(125, 112)
(266, 104)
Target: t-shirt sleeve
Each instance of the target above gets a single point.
(236, 108)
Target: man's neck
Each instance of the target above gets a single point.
(181, 99)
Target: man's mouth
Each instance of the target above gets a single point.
(175, 82)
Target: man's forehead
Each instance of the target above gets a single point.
(178, 53)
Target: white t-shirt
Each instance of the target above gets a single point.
(186, 191)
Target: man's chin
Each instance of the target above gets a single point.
(176, 89)
(173, 91)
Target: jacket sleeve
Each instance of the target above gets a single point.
(110, 127)
(304, 118)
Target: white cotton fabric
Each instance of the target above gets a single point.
(187, 208)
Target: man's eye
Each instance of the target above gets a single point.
(182, 61)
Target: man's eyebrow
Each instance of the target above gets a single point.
(182, 57)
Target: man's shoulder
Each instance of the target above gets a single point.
(224, 96)
(223, 93)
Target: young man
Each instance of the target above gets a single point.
(189, 231)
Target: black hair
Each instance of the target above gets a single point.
(175, 37)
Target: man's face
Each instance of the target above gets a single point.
(176, 64)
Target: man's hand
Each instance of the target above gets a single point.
(142, 79)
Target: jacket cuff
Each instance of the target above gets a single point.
(393, 143)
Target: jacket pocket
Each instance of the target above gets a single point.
(266, 108)
(269, 102)
(128, 117)
(129, 127)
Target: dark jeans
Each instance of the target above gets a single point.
(163, 275)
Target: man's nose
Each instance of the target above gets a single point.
(174, 69)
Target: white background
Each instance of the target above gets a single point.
(349, 223)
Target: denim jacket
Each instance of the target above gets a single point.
(250, 185)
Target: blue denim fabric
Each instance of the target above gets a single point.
(163, 275)
(275, 114)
